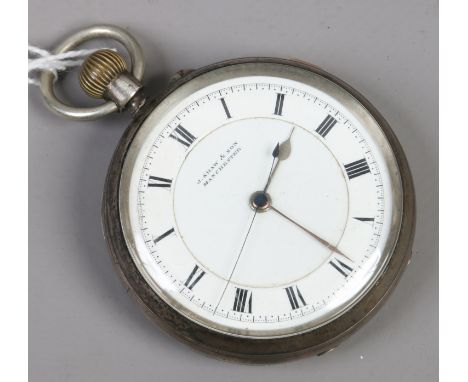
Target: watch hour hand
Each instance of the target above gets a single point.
(285, 147)
(280, 152)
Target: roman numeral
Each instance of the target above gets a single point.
(279, 104)
(365, 220)
(357, 168)
(326, 125)
(181, 135)
(194, 277)
(243, 301)
(165, 234)
(226, 110)
(156, 181)
(341, 267)
(295, 297)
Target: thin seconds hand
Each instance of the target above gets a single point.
(275, 155)
(237, 260)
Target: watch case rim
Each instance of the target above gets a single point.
(243, 349)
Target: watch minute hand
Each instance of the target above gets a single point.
(318, 238)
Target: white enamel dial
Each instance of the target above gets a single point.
(290, 258)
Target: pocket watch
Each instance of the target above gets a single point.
(258, 209)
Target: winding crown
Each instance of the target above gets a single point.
(99, 70)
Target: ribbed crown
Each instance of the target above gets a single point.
(99, 70)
